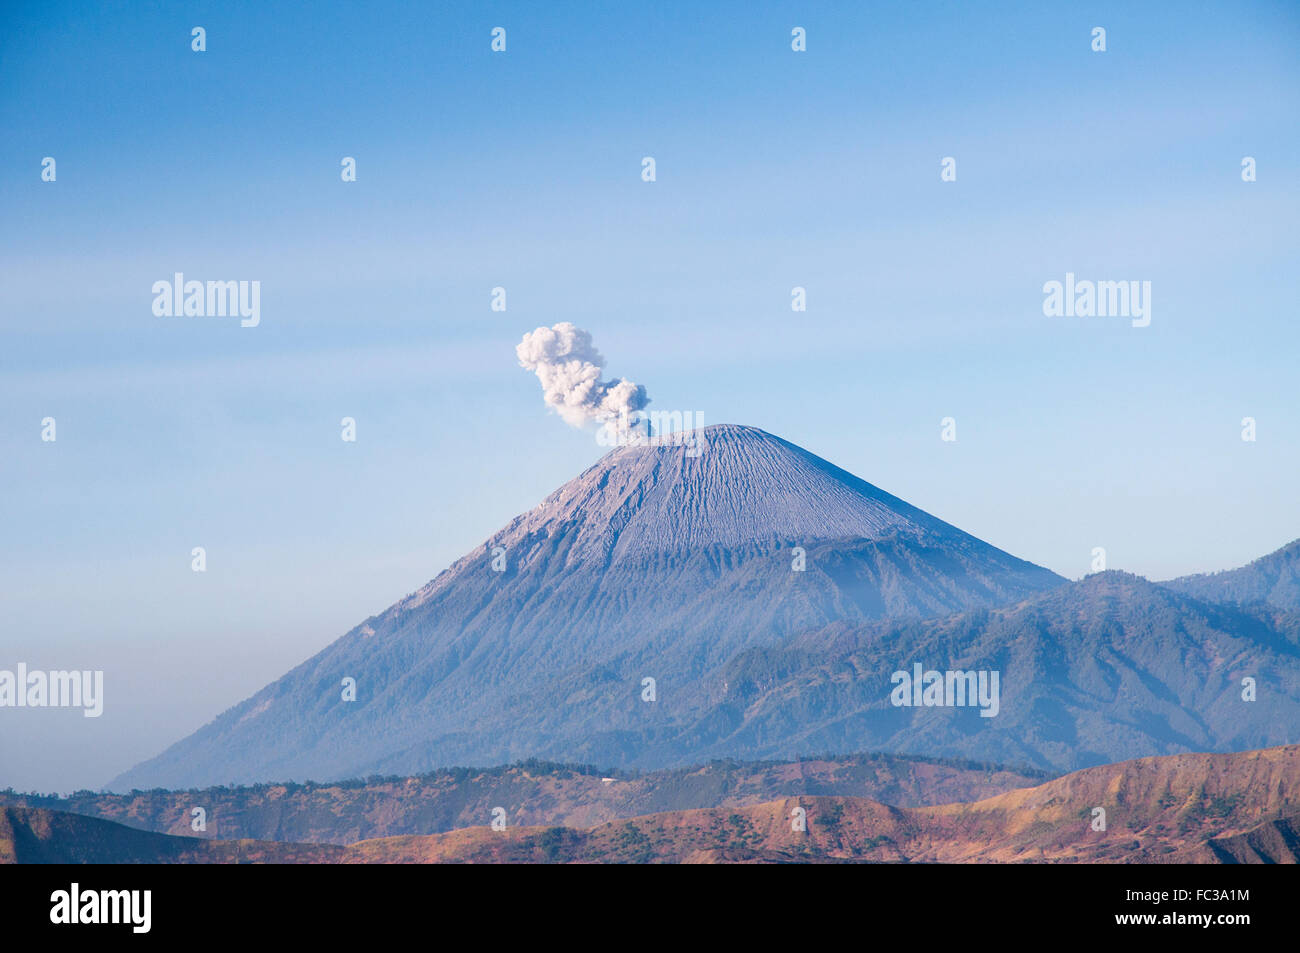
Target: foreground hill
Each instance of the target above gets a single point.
(532, 794)
(39, 836)
(1195, 808)
(1183, 809)
(659, 562)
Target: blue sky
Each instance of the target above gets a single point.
(522, 169)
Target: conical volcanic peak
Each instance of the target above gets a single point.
(663, 560)
(724, 485)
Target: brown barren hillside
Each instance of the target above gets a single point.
(1273, 842)
(1154, 806)
(532, 793)
(1202, 808)
(1205, 808)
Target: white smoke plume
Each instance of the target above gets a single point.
(569, 367)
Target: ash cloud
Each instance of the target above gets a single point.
(569, 368)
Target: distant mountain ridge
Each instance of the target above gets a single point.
(1273, 579)
(1110, 667)
(653, 563)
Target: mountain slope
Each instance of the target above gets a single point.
(1272, 579)
(1273, 842)
(658, 562)
(1107, 668)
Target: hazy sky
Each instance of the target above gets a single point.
(523, 169)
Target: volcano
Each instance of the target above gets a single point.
(598, 624)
